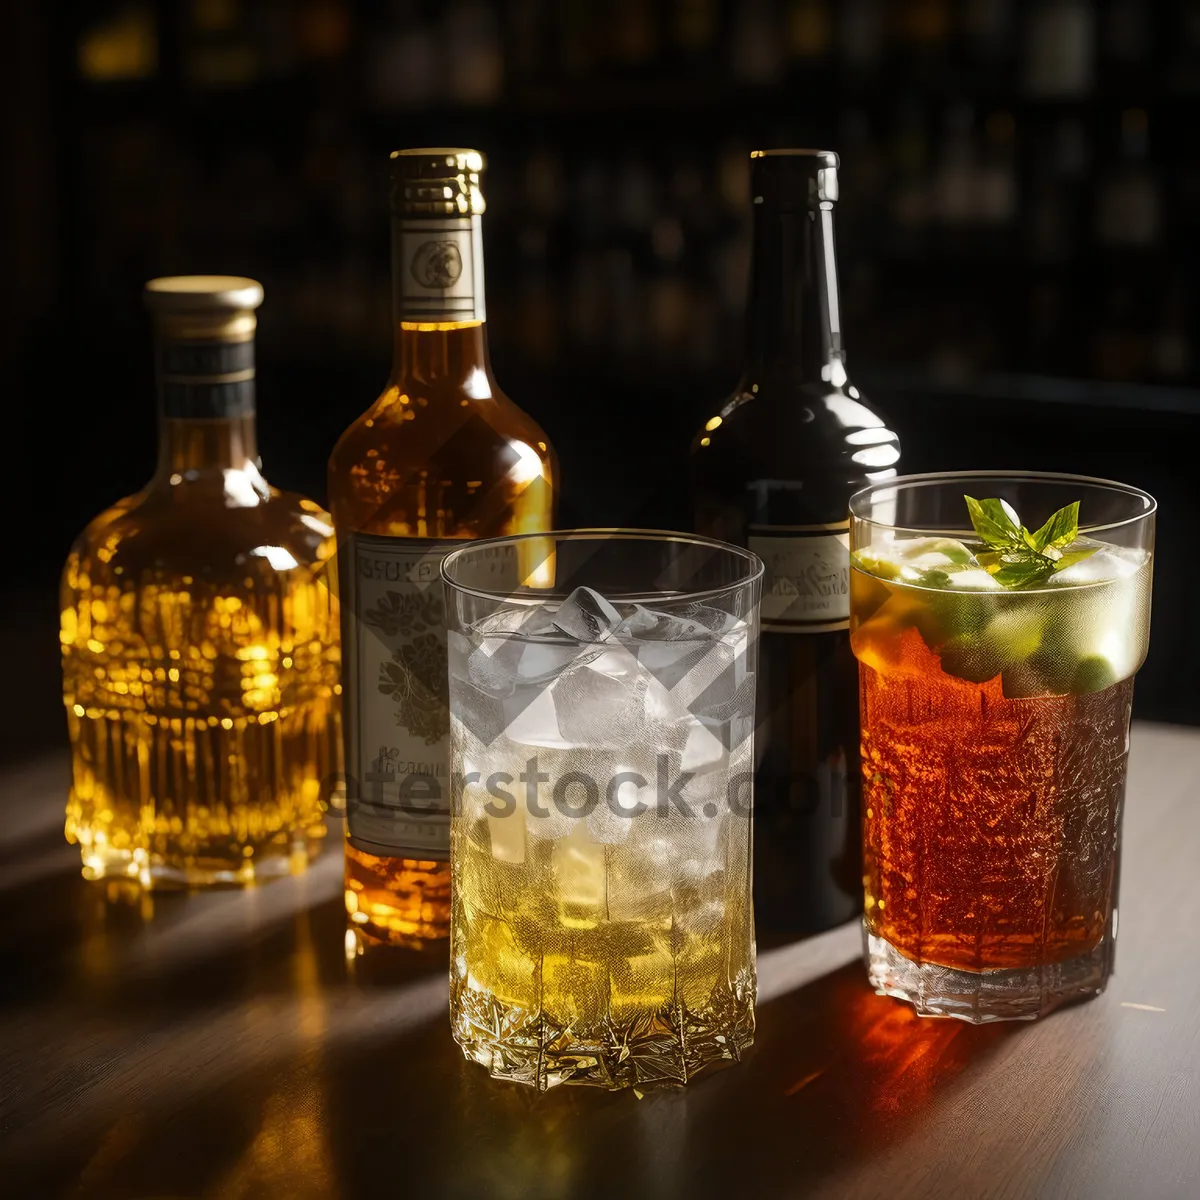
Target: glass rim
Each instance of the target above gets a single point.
(754, 564)
(931, 478)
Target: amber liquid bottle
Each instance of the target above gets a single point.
(199, 632)
(442, 455)
(774, 470)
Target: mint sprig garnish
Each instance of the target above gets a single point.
(1018, 558)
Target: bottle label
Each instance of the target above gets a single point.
(806, 588)
(438, 269)
(395, 696)
(198, 379)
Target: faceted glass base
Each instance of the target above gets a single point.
(663, 1049)
(1019, 994)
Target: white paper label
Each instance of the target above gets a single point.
(439, 269)
(396, 702)
(806, 588)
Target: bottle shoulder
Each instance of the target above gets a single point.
(198, 529)
(787, 454)
(407, 422)
(414, 439)
(788, 423)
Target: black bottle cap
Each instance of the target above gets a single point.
(788, 178)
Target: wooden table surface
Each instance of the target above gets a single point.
(218, 1045)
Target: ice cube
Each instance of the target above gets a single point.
(912, 559)
(717, 620)
(586, 616)
(974, 579)
(917, 558)
(1105, 623)
(645, 624)
(730, 695)
(948, 548)
(600, 703)
(531, 718)
(1108, 563)
(639, 622)
(700, 681)
(669, 662)
(543, 660)
(704, 750)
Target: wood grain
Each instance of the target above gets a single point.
(219, 1046)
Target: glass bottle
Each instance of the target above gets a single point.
(774, 470)
(442, 455)
(199, 632)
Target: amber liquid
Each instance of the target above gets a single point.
(200, 671)
(442, 453)
(991, 825)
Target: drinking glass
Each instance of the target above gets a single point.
(995, 690)
(602, 715)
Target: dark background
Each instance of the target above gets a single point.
(1017, 238)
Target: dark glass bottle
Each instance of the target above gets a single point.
(774, 470)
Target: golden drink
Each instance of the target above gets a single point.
(199, 633)
(602, 927)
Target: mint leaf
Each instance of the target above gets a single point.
(1060, 530)
(1021, 572)
(1074, 556)
(996, 522)
(1017, 558)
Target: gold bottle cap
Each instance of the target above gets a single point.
(437, 182)
(190, 293)
(204, 307)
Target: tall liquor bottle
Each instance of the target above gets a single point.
(441, 455)
(199, 632)
(774, 470)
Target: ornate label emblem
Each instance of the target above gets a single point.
(807, 583)
(436, 264)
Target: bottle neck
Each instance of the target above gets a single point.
(206, 403)
(196, 444)
(793, 318)
(448, 354)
